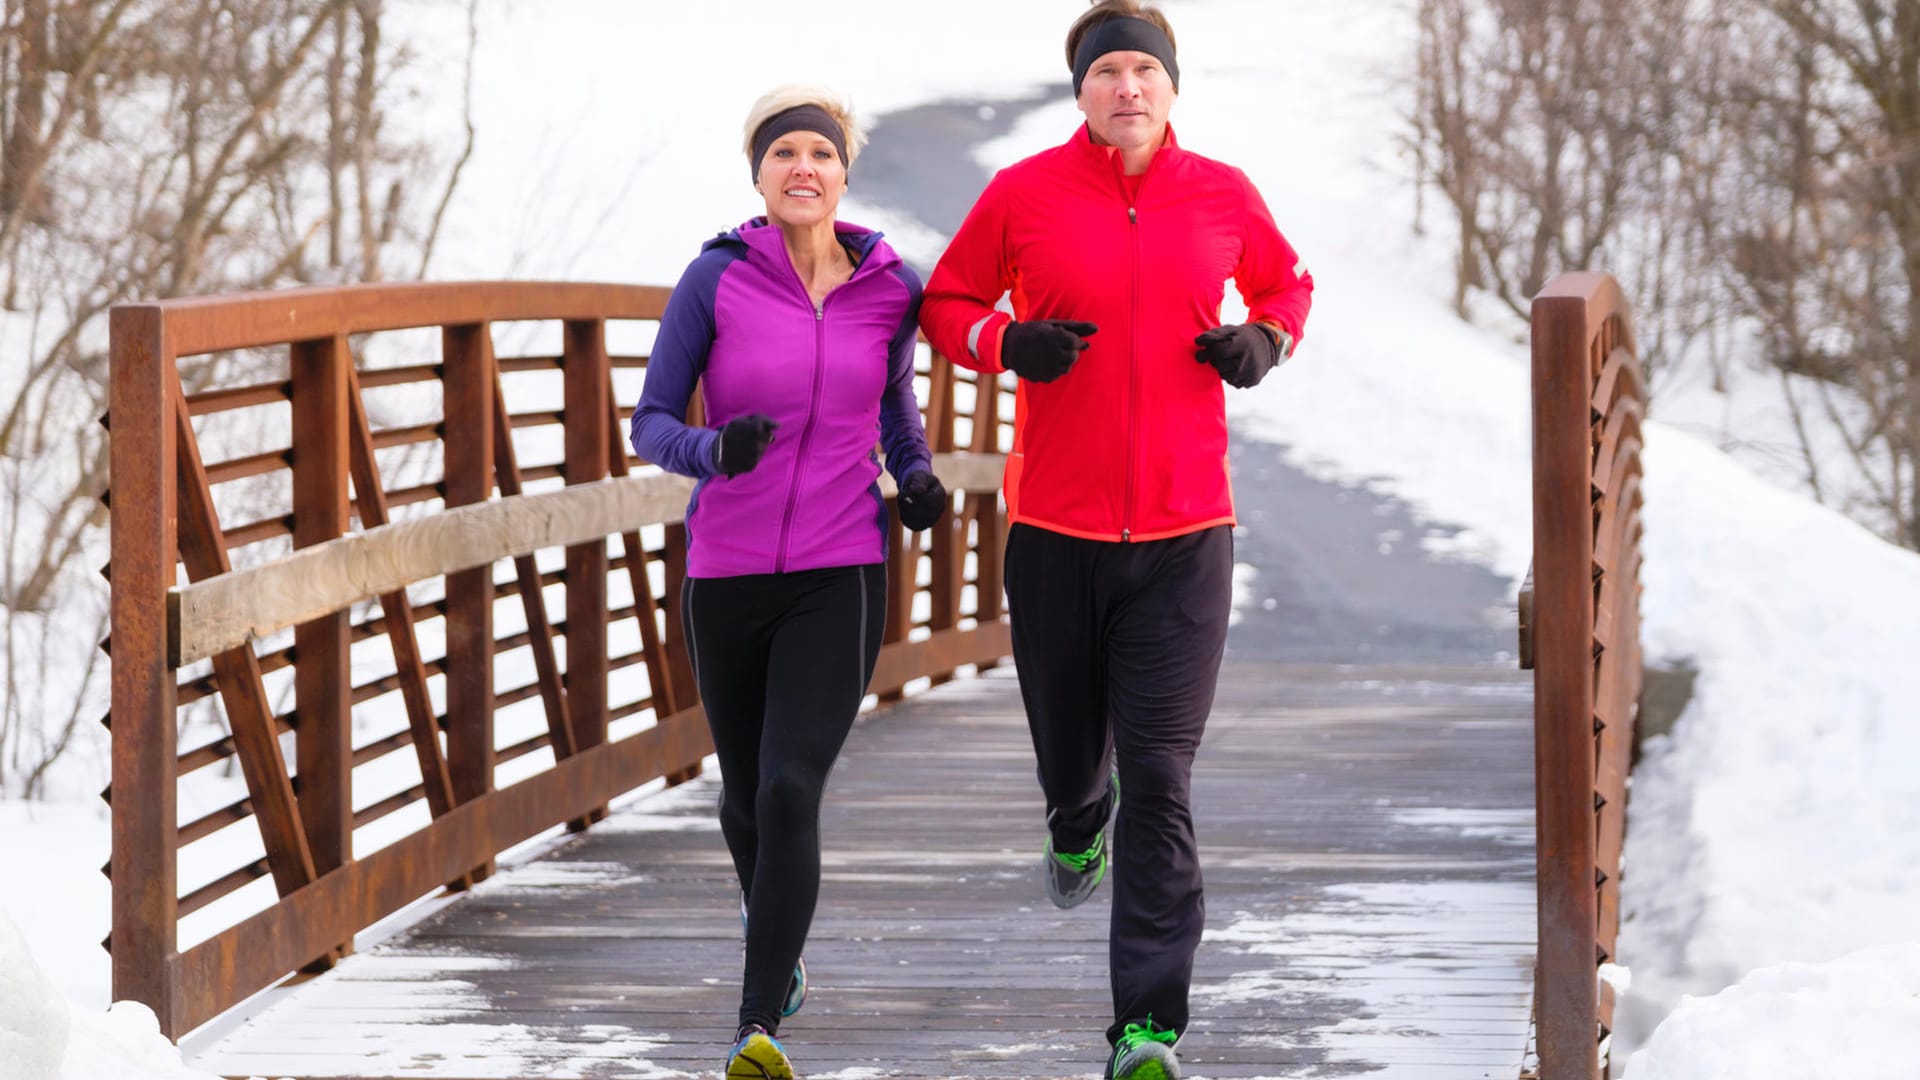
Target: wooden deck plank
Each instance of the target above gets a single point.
(1367, 839)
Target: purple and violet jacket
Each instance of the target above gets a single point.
(836, 379)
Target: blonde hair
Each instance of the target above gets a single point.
(781, 98)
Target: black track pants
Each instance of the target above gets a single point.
(1118, 649)
(782, 661)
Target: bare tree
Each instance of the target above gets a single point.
(1739, 164)
(157, 148)
(1823, 253)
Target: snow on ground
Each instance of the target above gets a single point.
(1854, 1017)
(1776, 824)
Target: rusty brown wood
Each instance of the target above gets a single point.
(989, 515)
(940, 404)
(903, 661)
(213, 821)
(258, 951)
(410, 674)
(323, 737)
(144, 931)
(674, 559)
(231, 882)
(251, 465)
(645, 612)
(255, 531)
(946, 552)
(387, 438)
(399, 376)
(323, 744)
(249, 717)
(467, 396)
(903, 563)
(1581, 634)
(526, 569)
(587, 389)
(323, 909)
(238, 397)
(207, 324)
(1622, 426)
(1563, 679)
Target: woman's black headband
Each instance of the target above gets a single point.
(1124, 33)
(799, 118)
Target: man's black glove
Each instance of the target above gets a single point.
(1042, 350)
(923, 498)
(741, 444)
(1242, 354)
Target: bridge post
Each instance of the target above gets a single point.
(323, 683)
(144, 940)
(587, 383)
(467, 403)
(1568, 993)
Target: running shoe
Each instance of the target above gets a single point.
(1072, 877)
(1144, 1052)
(756, 1055)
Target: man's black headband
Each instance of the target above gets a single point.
(1124, 33)
(799, 118)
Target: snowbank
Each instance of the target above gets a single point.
(1854, 1017)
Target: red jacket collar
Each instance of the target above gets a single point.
(1105, 154)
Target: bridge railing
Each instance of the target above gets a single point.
(1580, 633)
(397, 711)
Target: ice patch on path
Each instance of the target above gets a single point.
(1405, 941)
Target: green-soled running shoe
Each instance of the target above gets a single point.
(1144, 1052)
(1072, 878)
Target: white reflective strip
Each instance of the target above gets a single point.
(973, 336)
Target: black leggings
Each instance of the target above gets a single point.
(783, 661)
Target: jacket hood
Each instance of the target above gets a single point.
(760, 239)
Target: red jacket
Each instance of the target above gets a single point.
(1131, 444)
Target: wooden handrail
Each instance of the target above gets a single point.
(1580, 627)
(302, 615)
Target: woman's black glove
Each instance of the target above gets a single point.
(1243, 353)
(1042, 350)
(742, 443)
(923, 498)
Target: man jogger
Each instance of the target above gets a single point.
(1114, 250)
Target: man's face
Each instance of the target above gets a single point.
(1127, 96)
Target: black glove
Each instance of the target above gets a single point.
(1242, 354)
(923, 498)
(741, 444)
(1043, 349)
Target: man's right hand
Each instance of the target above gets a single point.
(1041, 350)
(741, 443)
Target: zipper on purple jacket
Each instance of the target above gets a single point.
(806, 431)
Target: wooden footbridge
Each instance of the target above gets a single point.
(407, 755)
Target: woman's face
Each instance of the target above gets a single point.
(802, 179)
